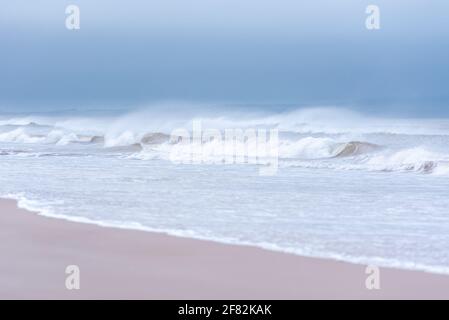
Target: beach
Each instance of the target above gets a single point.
(128, 264)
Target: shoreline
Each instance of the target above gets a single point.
(118, 263)
(171, 233)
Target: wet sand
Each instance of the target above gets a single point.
(126, 264)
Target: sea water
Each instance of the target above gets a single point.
(348, 187)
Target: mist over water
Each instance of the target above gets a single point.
(258, 54)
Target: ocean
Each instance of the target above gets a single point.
(348, 186)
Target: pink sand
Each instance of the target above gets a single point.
(127, 264)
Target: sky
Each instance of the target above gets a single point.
(235, 52)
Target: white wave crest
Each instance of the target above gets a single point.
(20, 135)
(414, 159)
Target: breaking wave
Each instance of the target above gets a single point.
(319, 148)
(315, 138)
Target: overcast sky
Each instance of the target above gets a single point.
(244, 51)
